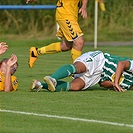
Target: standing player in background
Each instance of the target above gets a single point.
(102, 6)
(69, 30)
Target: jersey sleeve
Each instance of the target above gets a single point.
(131, 66)
(14, 83)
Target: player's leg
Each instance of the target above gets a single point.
(63, 72)
(77, 48)
(77, 84)
(76, 35)
(67, 70)
(50, 49)
(53, 47)
(53, 84)
(72, 33)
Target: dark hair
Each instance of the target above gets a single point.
(5, 60)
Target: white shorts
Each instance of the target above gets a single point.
(94, 62)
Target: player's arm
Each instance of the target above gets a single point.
(122, 65)
(107, 84)
(3, 47)
(83, 10)
(8, 81)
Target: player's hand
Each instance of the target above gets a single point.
(83, 12)
(12, 60)
(28, 1)
(118, 88)
(3, 47)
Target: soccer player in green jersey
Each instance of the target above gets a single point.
(117, 73)
(86, 69)
(89, 69)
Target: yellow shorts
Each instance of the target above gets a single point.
(69, 29)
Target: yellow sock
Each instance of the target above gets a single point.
(50, 49)
(75, 54)
(102, 5)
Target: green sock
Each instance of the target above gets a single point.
(62, 86)
(64, 71)
(45, 86)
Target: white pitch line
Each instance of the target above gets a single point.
(67, 118)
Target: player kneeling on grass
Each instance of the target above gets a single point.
(8, 67)
(89, 69)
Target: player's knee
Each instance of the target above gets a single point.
(65, 46)
(79, 43)
(77, 85)
(75, 88)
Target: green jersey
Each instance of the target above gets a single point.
(109, 69)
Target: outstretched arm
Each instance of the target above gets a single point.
(82, 10)
(122, 65)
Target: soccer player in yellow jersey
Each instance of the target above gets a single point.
(69, 30)
(8, 67)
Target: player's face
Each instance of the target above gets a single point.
(14, 68)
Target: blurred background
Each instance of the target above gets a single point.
(115, 24)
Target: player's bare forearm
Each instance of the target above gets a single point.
(107, 84)
(8, 83)
(83, 10)
(122, 65)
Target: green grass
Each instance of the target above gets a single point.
(96, 103)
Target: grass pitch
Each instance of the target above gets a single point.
(93, 111)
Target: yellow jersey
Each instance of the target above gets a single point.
(67, 9)
(14, 82)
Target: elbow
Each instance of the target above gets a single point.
(124, 64)
(8, 89)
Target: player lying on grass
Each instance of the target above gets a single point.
(89, 69)
(8, 67)
(117, 73)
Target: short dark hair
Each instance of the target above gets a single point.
(5, 60)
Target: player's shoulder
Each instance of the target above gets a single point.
(14, 82)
